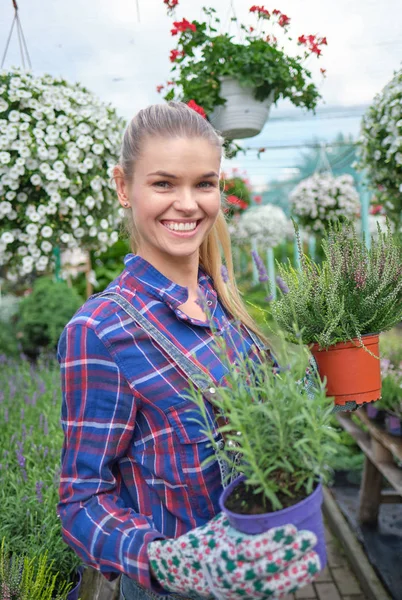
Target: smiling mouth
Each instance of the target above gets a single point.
(181, 227)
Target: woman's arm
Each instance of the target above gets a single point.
(98, 418)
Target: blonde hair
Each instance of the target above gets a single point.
(176, 119)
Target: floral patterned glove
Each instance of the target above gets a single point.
(216, 561)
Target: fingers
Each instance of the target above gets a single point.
(300, 573)
(243, 583)
(256, 546)
(281, 558)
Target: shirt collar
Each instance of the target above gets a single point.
(153, 282)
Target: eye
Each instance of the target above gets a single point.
(162, 184)
(208, 184)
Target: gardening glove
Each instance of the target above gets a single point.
(217, 561)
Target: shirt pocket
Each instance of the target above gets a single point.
(199, 468)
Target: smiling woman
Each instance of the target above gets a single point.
(134, 456)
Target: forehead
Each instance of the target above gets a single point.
(178, 154)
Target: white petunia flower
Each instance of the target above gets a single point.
(47, 231)
(7, 237)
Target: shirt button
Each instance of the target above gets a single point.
(209, 302)
(212, 390)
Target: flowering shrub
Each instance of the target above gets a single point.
(267, 224)
(237, 192)
(58, 144)
(355, 291)
(322, 198)
(203, 56)
(380, 148)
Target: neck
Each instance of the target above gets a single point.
(180, 270)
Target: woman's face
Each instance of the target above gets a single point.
(174, 196)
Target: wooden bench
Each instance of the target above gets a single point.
(380, 449)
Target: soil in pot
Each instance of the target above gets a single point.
(244, 501)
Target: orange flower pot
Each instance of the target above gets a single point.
(352, 373)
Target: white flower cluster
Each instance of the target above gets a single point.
(58, 146)
(380, 150)
(322, 198)
(267, 223)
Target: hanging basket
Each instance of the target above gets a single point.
(352, 373)
(242, 116)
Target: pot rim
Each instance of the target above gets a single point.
(283, 511)
(344, 345)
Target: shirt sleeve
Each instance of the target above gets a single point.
(98, 416)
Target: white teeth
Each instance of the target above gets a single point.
(181, 226)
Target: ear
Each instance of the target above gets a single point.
(121, 186)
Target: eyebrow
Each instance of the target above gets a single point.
(171, 176)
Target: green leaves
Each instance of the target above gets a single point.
(354, 292)
(284, 437)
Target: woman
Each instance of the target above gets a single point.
(135, 495)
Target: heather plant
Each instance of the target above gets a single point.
(354, 292)
(30, 448)
(278, 425)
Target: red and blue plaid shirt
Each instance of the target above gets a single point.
(133, 457)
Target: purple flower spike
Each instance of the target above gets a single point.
(224, 273)
(39, 485)
(262, 272)
(269, 298)
(202, 300)
(282, 285)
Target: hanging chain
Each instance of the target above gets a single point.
(21, 39)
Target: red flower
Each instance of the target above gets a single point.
(192, 104)
(323, 71)
(283, 20)
(261, 11)
(171, 4)
(302, 39)
(174, 54)
(258, 199)
(261, 150)
(183, 26)
(315, 49)
(170, 83)
(251, 29)
(276, 12)
(174, 31)
(235, 201)
(323, 41)
(311, 39)
(159, 88)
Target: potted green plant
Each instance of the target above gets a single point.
(235, 79)
(341, 307)
(278, 440)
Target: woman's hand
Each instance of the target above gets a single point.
(216, 561)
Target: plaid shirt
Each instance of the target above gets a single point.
(132, 455)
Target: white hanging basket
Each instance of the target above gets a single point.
(242, 116)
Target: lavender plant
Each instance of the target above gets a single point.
(354, 292)
(30, 446)
(22, 578)
(283, 435)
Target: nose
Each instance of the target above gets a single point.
(186, 200)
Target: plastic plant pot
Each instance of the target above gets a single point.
(352, 373)
(305, 515)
